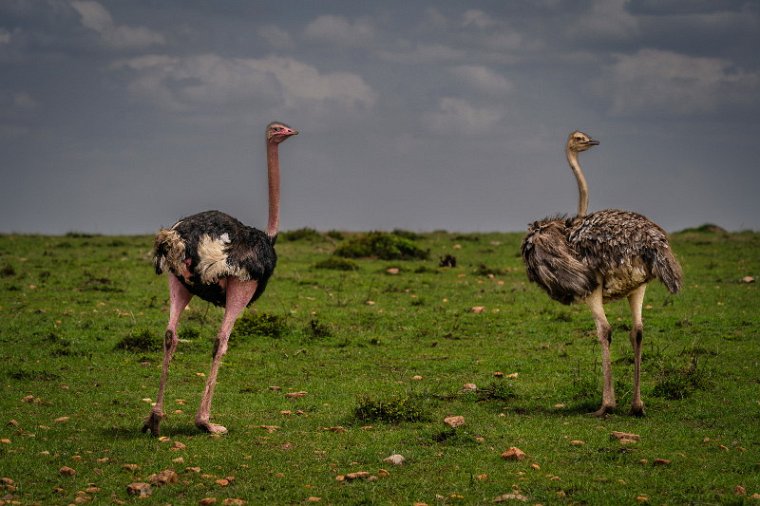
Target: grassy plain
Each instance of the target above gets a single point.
(383, 358)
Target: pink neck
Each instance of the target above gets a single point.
(273, 173)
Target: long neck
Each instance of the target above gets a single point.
(572, 159)
(273, 174)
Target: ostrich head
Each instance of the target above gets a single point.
(578, 142)
(278, 132)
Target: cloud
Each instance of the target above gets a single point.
(97, 18)
(184, 83)
(606, 19)
(477, 18)
(5, 36)
(340, 30)
(424, 54)
(455, 115)
(277, 37)
(482, 78)
(655, 81)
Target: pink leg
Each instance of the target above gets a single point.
(239, 293)
(636, 300)
(595, 302)
(179, 297)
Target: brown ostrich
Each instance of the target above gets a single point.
(216, 257)
(598, 257)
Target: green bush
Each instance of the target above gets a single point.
(382, 245)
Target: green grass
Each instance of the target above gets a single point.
(383, 356)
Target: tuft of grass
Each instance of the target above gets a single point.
(261, 324)
(7, 271)
(677, 383)
(383, 246)
(496, 391)
(318, 330)
(141, 342)
(337, 264)
(302, 234)
(395, 409)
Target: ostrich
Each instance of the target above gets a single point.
(216, 257)
(598, 257)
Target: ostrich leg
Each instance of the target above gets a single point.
(238, 295)
(179, 297)
(636, 300)
(595, 302)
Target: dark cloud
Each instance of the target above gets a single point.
(117, 117)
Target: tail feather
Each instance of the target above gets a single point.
(668, 270)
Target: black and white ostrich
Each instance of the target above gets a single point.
(216, 257)
(598, 257)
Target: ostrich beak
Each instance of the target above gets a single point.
(593, 142)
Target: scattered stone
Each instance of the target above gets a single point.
(139, 489)
(177, 446)
(512, 496)
(130, 467)
(535, 466)
(392, 270)
(482, 477)
(5, 441)
(395, 459)
(270, 428)
(66, 471)
(179, 460)
(454, 421)
(748, 279)
(163, 478)
(513, 453)
(232, 501)
(642, 498)
(295, 395)
(193, 469)
(13, 423)
(661, 462)
(477, 309)
(207, 501)
(625, 437)
(338, 429)
(222, 482)
(740, 490)
(577, 442)
(313, 499)
(498, 374)
(383, 473)
(61, 419)
(417, 377)
(469, 387)
(359, 475)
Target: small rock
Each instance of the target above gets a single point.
(163, 478)
(513, 496)
(395, 459)
(620, 436)
(642, 498)
(66, 471)
(661, 462)
(392, 270)
(417, 377)
(5, 441)
(207, 501)
(193, 469)
(13, 423)
(130, 467)
(454, 421)
(177, 446)
(383, 473)
(179, 460)
(577, 442)
(338, 429)
(740, 490)
(139, 489)
(477, 309)
(295, 395)
(498, 374)
(313, 499)
(232, 501)
(748, 279)
(61, 419)
(270, 428)
(222, 482)
(469, 387)
(513, 453)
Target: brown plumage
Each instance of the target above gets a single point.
(213, 256)
(595, 258)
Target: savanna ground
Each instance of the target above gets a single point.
(380, 351)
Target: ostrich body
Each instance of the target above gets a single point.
(216, 257)
(598, 257)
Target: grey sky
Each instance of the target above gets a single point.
(119, 117)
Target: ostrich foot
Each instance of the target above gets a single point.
(211, 428)
(153, 422)
(637, 410)
(603, 411)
